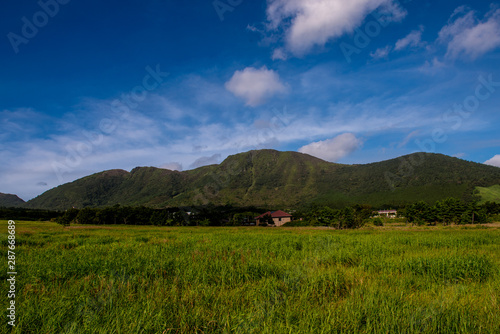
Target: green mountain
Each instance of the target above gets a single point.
(10, 201)
(268, 178)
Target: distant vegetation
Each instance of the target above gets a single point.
(448, 211)
(125, 215)
(201, 216)
(137, 279)
(28, 214)
(268, 178)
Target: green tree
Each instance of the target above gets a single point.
(450, 210)
(107, 216)
(418, 213)
(492, 208)
(346, 218)
(361, 215)
(159, 218)
(326, 216)
(475, 214)
(86, 216)
(68, 217)
(242, 218)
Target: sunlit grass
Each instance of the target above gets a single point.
(126, 279)
(491, 194)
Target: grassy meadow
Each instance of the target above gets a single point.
(491, 194)
(126, 279)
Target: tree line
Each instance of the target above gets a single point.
(200, 216)
(447, 211)
(450, 211)
(28, 214)
(349, 217)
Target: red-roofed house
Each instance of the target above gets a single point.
(279, 217)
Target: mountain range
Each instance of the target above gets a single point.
(273, 179)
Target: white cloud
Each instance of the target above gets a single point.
(172, 166)
(279, 54)
(432, 67)
(413, 40)
(495, 161)
(30, 149)
(468, 37)
(205, 161)
(255, 85)
(381, 53)
(30, 161)
(333, 149)
(310, 23)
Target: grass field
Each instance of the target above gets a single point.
(489, 194)
(124, 279)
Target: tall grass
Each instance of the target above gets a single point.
(254, 280)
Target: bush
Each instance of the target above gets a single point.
(378, 222)
(296, 223)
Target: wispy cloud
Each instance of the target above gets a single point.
(204, 161)
(432, 67)
(381, 52)
(468, 37)
(176, 133)
(412, 40)
(172, 166)
(333, 149)
(407, 139)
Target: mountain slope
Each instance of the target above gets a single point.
(10, 201)
(270, 178)
(94, 190)
(489, 194)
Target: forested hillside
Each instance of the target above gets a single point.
(268, 178)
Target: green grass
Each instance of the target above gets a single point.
(491, 194)
(126, 279)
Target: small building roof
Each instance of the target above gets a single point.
(275, 214)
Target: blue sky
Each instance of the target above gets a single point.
(89, 86)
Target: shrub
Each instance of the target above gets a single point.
(378, 222)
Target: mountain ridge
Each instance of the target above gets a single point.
(10, 200)
(270, 178)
